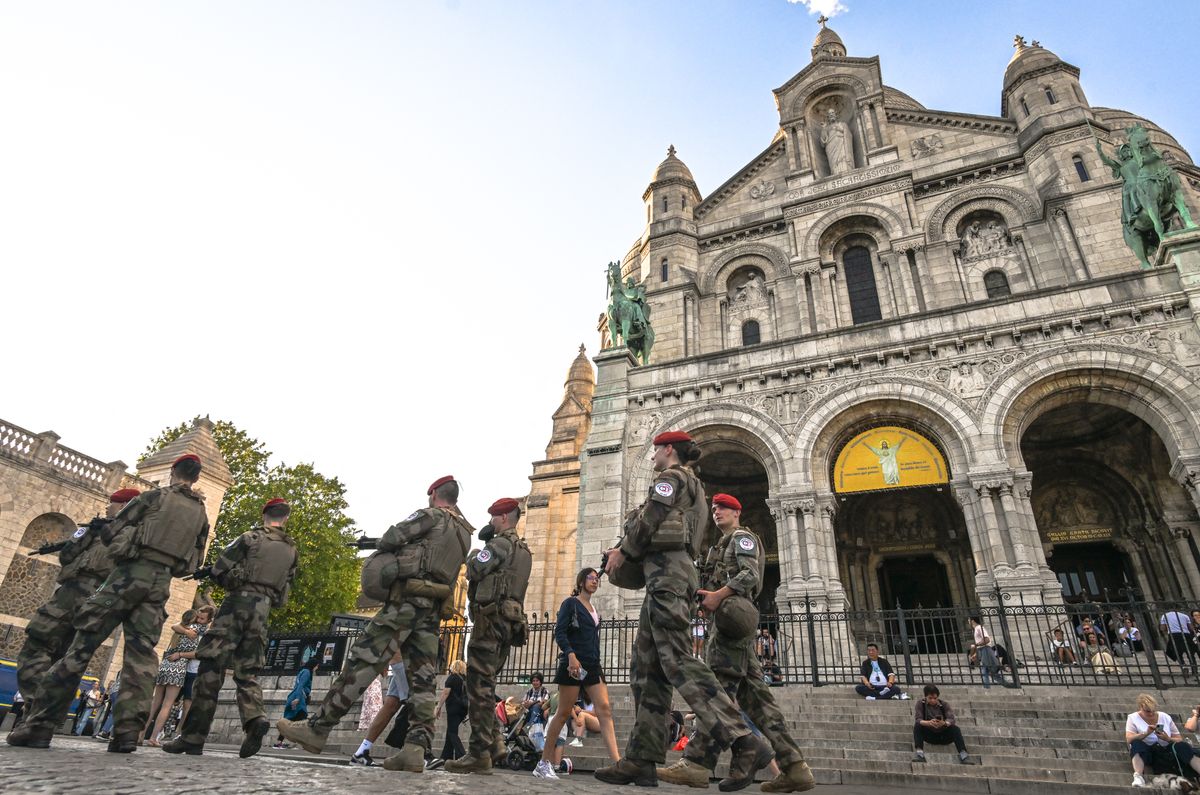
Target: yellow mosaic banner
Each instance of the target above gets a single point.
(888, 458)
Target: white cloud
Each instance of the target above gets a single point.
(830, 8)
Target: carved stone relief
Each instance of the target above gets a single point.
(984, 238)
(926, 146)
(762, 190)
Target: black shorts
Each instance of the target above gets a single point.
(188, 681)
(595, 674)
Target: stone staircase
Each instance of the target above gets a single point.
(1024, 741)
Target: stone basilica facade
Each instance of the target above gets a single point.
(916, 347)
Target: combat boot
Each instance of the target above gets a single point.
(124, 743)
(410, 758)
(797, 778)
(499, 753)
(256, 730)
(182, 746)
(27, 736)
(687, 772)
(471, 764)
(304, 734)
(750, 755)
(629, 771)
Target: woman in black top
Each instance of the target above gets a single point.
(454, 697)
(577, 632)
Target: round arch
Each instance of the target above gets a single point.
(752, 430)
(772, 261)
(892, 224)
(939, 415)
(1153, 391)
(1017, 208)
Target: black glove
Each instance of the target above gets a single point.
(202, 573)
(98, 523)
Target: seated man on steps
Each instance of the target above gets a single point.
(878, 678)
(935, 723)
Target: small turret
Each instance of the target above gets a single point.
(827, 44)
(672, 192)
(1037, 83)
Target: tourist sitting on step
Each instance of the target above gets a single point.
(935, 723)
(878, 678)
(1062, 650)
(1097, 652)
(1155, 742)
(1129, 638)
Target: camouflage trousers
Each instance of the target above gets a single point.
(737, 668)
(237, 639)
(662, 660)
(132, 597)
(409, 625)
(49, 634)
(486, 655)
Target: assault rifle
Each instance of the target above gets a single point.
(364, 543)
(202, 573)
(49, 549)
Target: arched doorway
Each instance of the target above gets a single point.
(731, 468)
(1108, 511)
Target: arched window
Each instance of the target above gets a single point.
(1024, 106)
(665, 270)
(751, 334)
(860, 285)
(1053, 100)
(1081, 169)
(996, 284)
(664, 203)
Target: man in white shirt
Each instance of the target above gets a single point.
(878, 678)
(1155, 741)
(1177, 626)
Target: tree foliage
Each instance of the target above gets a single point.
(327, 575)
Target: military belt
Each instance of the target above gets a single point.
(154, 556)
(426, 589)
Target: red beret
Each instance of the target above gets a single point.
(186, 457)
(440, 482)
(276, 501)
(671, 437)
(726, 501)
(503, 507)
(124, 495)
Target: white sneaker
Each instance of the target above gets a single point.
(576, 743)
(870, 698)
(1139, 780)
(544, 770)
(904, 696)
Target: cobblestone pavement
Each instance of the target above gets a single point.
(82, 765)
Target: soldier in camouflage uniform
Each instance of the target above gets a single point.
(431, 547)
(256, 572)
(158, 535)
(498, 575)
(661, 541)
(732, 576)
(85, 563)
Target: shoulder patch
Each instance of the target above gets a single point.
(484, 556)
(79, 533)
(746, 543)
(664, 489)
(412, 516)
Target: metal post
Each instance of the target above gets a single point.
(1147, 643)
(908, 677)
(1016, 677)
(812, 642)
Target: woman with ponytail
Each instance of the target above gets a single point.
(577, 632)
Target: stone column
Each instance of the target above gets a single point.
(1022, 490)
(1002, 566)
(1015, 522)
(1183, 554)
(826, 549)
(981, 548)
(831, 299)
(820, 317)
(888, 302)
(896, 265)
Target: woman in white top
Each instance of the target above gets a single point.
(1154, 740)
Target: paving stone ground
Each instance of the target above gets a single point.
(76, 765)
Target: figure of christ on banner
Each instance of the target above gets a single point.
(887, 461)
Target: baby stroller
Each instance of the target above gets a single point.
(522, 753)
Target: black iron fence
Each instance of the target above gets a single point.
(1121, 643)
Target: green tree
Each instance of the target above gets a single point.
(328, 571)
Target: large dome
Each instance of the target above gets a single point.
(672, 168)
(1028, 58)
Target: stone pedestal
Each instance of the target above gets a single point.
(1182, 249)
(602, 475)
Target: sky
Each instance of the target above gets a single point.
(373, 234)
